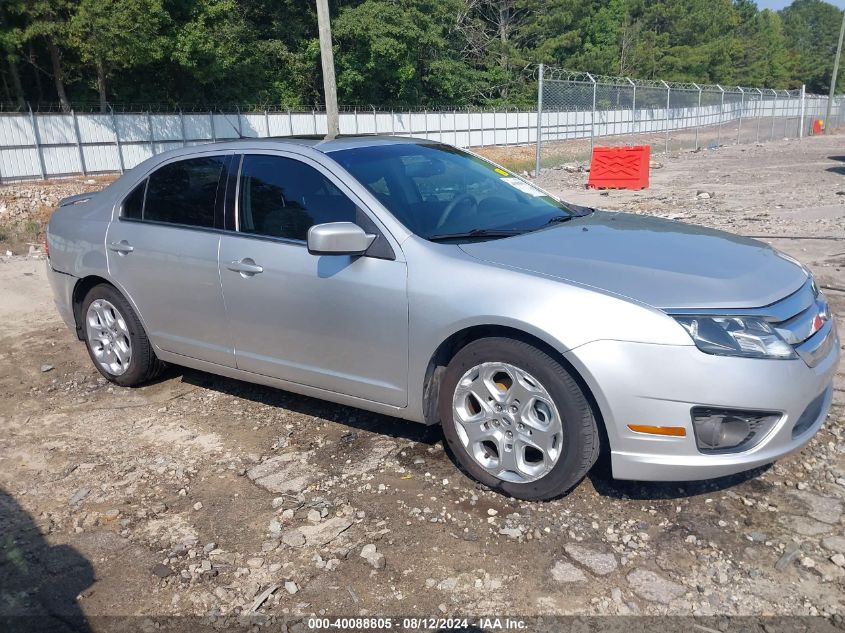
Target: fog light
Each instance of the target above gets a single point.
(730, 430)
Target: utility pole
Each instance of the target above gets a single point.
(327, 57)
(835, 74)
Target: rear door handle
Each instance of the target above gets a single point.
(246, 267)
(122, 247)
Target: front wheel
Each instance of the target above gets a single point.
(115, 338)
(516, 419)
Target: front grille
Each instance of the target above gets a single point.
(803, 320)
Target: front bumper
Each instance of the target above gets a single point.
(658, 385)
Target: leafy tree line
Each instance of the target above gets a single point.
(395, 52)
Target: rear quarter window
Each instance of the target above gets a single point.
(133, 205)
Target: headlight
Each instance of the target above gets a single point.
(736, 336)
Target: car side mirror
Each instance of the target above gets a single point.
(338, 238)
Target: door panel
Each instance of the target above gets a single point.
(172, 276)
(334, 322)
(163, 250)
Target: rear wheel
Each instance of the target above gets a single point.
(115, 338)
(516, 420)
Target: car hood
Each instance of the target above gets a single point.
(663, 263)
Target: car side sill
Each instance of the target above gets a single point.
(305, 390)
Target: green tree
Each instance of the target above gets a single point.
(762, 58)
(46, 23)
(116, 35)
(811, 28)
(400, 53)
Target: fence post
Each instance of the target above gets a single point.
(592, 117)
(666, 118)
(721, 116)
(392, 123)
(150, 128)
(213, 131)
(633, 107)
(481, 126)
(314, 118)
(774, 114)
(78, 143)
(469, 128)
(182, 128)
(539, 122)
(803, 108)
(355, 113)
(290, 123)
(697, 115)
(741, 112)
(425, 118)
(37, 140)
(759, 111)
(266, 124)
(375, 119)
(117, 139)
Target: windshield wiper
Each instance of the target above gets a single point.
(475, 233)
(559, 219)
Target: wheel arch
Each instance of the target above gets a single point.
(81, 289)
(460, 339)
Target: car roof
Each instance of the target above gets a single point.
(318, 142)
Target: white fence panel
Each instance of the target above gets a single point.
(64, 143)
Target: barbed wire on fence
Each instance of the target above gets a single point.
(577, 110)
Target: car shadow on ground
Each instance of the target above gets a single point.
(837, 169)
(606, 486)
(39, 583)
(348, 416)
(361, 420)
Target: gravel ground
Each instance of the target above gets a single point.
(205, 496)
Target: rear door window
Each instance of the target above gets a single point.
(184, 192)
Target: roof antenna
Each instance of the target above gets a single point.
(226, 116)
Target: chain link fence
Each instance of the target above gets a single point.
(578, 111)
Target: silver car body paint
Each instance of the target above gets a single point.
(362, 331)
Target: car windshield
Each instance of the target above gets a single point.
(442, 193)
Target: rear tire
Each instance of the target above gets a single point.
(115, 338)
(516, 419)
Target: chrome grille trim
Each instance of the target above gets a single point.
(777, 312)
(818, 346)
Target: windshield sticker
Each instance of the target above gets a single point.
(523, 186)
(501, 172)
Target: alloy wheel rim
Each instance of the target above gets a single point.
(507, 422)
(108, 337)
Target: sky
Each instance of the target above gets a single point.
(780, 4)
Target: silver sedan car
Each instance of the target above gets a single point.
(418, 280)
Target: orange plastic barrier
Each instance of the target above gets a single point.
(818, 127)
(620, 167)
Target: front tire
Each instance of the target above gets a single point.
(516, 419)
(115, 338)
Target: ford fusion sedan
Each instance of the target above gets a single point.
(413, 279)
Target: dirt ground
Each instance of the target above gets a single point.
(199, 495)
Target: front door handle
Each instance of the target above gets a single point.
(246, 267)
(121, 248)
